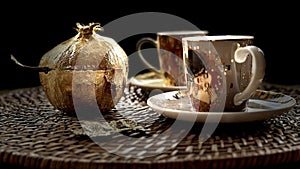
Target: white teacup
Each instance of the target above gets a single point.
(230, 63)
(169, 49)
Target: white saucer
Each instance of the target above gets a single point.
(262, 106)
(151, 80)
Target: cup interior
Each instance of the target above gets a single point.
(217, 38)
(183, 32)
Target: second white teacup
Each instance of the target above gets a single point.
(169, 50)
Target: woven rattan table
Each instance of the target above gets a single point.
(34, 135)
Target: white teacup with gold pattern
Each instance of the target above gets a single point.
(169, 49)
(230, 63)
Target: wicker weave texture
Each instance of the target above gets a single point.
(35, 135)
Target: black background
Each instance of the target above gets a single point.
(28, 30)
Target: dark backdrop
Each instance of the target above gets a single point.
(29, 30)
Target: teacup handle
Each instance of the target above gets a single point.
(258, 70)
(139, 50)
